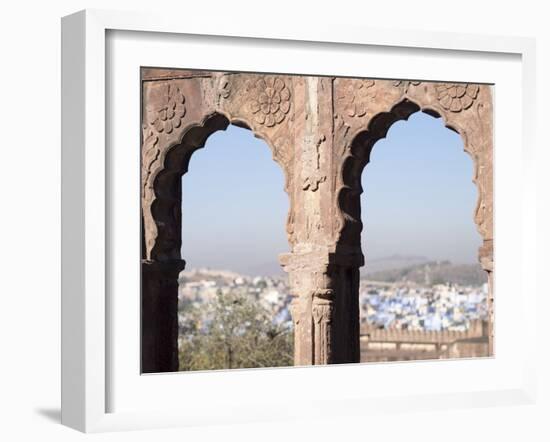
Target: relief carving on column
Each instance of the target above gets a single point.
(312, 176)
(296, 312)
(322, 308)
(325, 288)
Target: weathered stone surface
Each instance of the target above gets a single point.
(321, 131)
(159, 319)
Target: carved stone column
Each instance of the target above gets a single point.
(176, 120)
(159, 315)
(487, 263)
(323, 273)
(325, 309)
(322, 308)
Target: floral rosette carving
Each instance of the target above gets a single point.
(456, 97)
(356, 96)
(169, 109)
(164, 113)
(270, 101)
(224, 87)
(406, 84)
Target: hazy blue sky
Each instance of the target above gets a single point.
(418, 199)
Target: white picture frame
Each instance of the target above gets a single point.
(87, 318)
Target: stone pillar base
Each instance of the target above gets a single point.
(325, 309)
(487, 263)
(159, 315)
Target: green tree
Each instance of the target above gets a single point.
(231, 331)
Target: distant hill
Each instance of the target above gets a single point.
(431, 272)
(393, 268)
(272, 268)
(392, 262)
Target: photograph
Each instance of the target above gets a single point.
(300, 220)
(287, 221)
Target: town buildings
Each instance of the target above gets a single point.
(422, 321)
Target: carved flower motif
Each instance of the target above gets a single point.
(224, 87)
(150, 153)
(271, 102)
(456, 97)
(356, 97)
(406, 83)
(169, 111)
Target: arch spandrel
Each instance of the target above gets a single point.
(467, 109)
(171, 109)
(266, 105)
(364, 111)
(178, 116)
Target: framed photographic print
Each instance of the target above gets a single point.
(321, 131)
(253, 213)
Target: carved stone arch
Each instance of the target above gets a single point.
(242, 102)
(484, 201)
(217, 101)
(464, 108)
(162, 189)
(162, 195)
(181, 110)
(467, 109)
(357, 156)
